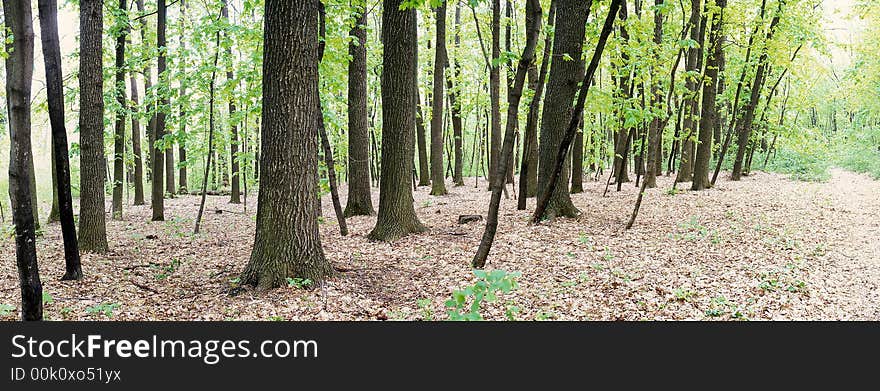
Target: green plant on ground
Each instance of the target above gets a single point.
(466, 303)
(103, 308)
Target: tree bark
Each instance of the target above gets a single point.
(686, 167)
(709, 116)
(92, 226)
(438, 182)
(119, 131)
(182, 180)
(397, 217)
(495, 90)
(287, 242)
(19, 74)
(157, 154)
(455, 104)
(561, 89)
(55, 98)
(359, 201)
(655, 133)
(533, 27)
(235, 180)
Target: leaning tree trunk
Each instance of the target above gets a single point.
(561, 89)
(528, 174)
(397, 217)
(19, 74)
(92, 226)
(359, 201)
(287, 242)
(55, 99)
(576, 114)
(744, 133)
(709, 116)
(533, 27)
(119, 133)
(438, 182)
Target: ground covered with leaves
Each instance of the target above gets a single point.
(763, 248)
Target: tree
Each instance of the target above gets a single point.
(19, 73)
(455, 103)
(655, 133)
(287, 242)
(397, 217)
(495, 90)
(157, 155)
(183, 100)
(92, 226)
(528, 174)
(120, 29)
(533, 27)
(235, 196)
(571, 19)
(709, 116)
(438, 182)
(55, 96)
(136, 141)
(576, 115)
(692, 67)
(359, 201)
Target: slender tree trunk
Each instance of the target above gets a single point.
(561, 89)
(61, 166)
(158, 158)
(495, 90)
(92, 231)
(397, 217)
(577, 161)
(655, 133)
(455, 103)
(438, 185)
(533, 28)
(686, 168)
(235, 183)
(182, 180)
(744, 133)
(136, 143)
(119, 134)
(709, 114)
(528, 176)
(359, 201)
(424, 170)
(287, 242)
(211, 124)
(55, 212)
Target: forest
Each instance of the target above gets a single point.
(440, 160)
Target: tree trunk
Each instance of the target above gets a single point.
(287, 242)
(655, 134)
(495, 90)
(119, 133)
(424, 170)
(528, 174)
(235, 183)
(744, 133)
(577, 161)
(136, 143)
(92, 230)
(397, 217)
(709, 116)
(686, 167)
(438, 185)
(19, 74)
(61, 165)
(158, 158)
(182, 180)
(533, 27)
(561, 89)
(359, 201)
(455, 104)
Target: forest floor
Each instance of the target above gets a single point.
(763, 248)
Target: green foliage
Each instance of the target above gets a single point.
(466, 303)
(6, 309)
(801, 164)
(299, 283)
(103, 308)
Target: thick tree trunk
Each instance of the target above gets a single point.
(575, 114)
(561, 89)
(19, 74)
(438, 183)
(397, 217)
(689, 126)
(157, 154)
(92, 226)
(709, 116)
(359, 201)
(287, 242)
(655, 134)
(61, 165)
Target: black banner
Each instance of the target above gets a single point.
(85, 355)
